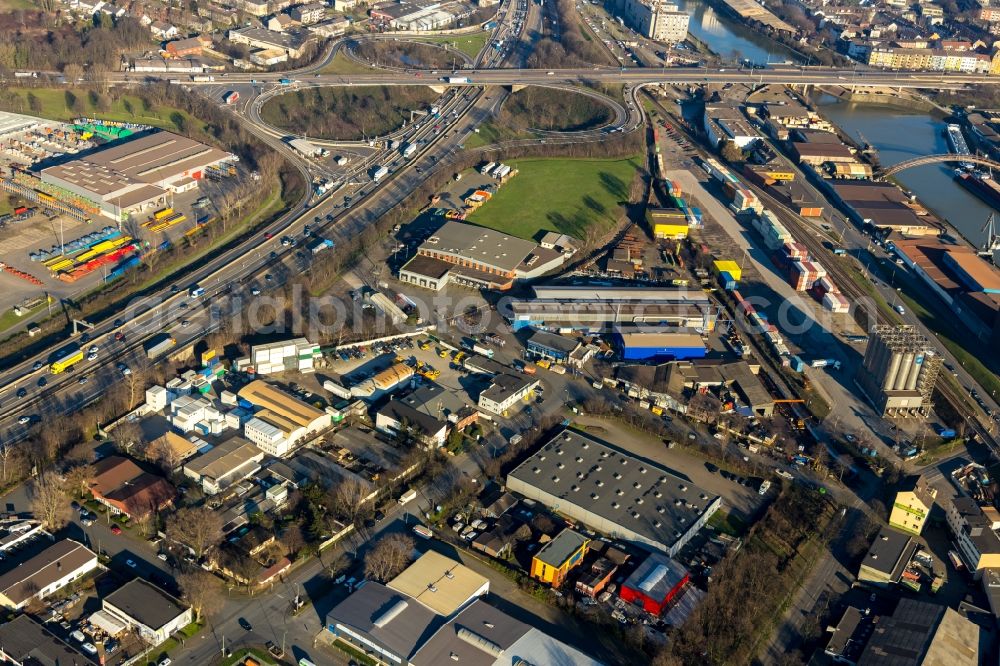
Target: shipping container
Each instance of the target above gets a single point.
(726, 281)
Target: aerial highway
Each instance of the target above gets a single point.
(789, 75)
(27, 389)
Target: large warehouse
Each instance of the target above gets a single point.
(614, 493)
(478, 257)
(593, 308)
(138, 174)
(649, 346)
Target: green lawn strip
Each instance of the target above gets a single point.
(53, 105)
(9, 319)
(983, 375)
(240, 656)
(564, 195)
(728, 523)
(354, 653)
(470, 44)
(188, 631)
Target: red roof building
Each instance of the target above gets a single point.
(655, 583)
(124, 487)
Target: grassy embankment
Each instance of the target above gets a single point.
(54, 103)
(470, 44)
(564, 195)
(536, 108)
(346, 114)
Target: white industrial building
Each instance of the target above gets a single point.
(657, 20)
(137, 174)
(42, 575)
(295, 420)
(505, 391)
(297, 355)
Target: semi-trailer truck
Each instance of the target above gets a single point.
(457, 79)
(409, 150)
(380, 173)
(163, 344)
(202, 78)
(485, 351)
(65, 358)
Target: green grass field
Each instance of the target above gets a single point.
(14, 5)
(53, 103)
(341, 64)
(564, 195)
(470, 44)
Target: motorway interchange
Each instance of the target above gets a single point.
(230, 277)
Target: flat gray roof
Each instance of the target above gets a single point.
(604, 293)
(28, 642)
(888, 550)
(553, 341)
(607, 483)
(387, 617)
(145, 603)
(506, 385)
(223, 458)
(479, 244)
(556, 552)
(473, 637)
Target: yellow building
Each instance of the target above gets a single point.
(667, 222)
(551, 564)
(912, 505)
(727, 266)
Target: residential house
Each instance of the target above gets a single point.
(151, 612)
(123, 487)
(913, 503)
(281, 23)
(396, 419)
(314, 12)
(161, 30)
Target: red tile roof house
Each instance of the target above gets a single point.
(125, 488)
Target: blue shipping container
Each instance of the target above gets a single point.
(727, 281)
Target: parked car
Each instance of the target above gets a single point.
(116, 530)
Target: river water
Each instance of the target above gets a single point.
(728, 38)
(897, 134)
(900, 136)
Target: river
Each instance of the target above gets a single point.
(728, 38)
(899, 135)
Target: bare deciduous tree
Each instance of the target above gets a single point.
(49, 502)
(389, 557)
(203, 591)
(199, 528)
(348, 500)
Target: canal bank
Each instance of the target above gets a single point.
(900, 134)
(730, 40)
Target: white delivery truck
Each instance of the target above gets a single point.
(409, 150)
(408, 496)
(380, 173)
